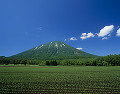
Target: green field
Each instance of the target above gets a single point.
(61, 79)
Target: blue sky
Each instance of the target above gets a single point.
(88, 24)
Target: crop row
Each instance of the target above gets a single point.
(60, 80)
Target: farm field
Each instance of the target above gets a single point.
(59, 79)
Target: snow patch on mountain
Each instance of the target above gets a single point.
(36, 48)
(56, 45)
(60, 45)
(50, 44)
(63, 44)
(40, 46)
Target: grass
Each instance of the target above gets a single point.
(59, 79)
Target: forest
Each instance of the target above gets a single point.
(110, 60)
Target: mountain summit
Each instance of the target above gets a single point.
(53, 50)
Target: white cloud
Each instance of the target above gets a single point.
(86, 35)
(79, 48)
(104, 38)
(90, 35)
(105, 31)
(118, 32)
(65, 40)
(73, 38)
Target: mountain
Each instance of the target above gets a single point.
(2, 57)
(53, 50)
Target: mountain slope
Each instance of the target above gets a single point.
(53, 50)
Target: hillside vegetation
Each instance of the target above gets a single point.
(110, 60)
(55, 50)
(59, 53)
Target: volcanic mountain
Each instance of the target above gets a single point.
(53, 50)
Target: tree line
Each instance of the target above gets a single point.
(110, 60)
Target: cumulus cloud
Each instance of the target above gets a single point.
(118, 32)
(105, 31)
(73, 38)
(86, 35)
(79, 48)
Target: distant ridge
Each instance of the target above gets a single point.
(53, 50)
